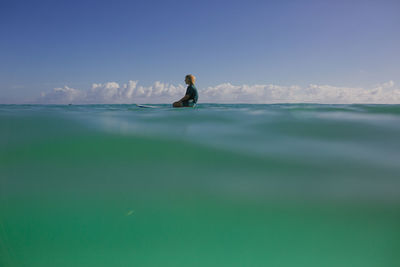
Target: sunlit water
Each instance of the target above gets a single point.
(217, 185)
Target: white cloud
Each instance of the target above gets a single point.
(159, 92)
(62, 96)
(385, 93)
(114, 93)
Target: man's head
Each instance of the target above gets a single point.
(190, 79)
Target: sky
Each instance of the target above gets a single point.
(116, 51)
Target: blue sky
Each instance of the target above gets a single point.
(49, 44)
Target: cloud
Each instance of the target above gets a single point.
(114, 93)
(62, 96)
(326, 94)
(131, 92)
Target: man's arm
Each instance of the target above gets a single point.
(186, 97)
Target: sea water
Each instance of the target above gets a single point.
(216, 185)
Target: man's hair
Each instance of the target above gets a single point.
(192, 79)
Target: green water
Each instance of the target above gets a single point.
(218, 185)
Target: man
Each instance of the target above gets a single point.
(191, 95)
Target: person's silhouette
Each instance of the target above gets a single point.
(191, 95)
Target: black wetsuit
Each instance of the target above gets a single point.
(193, 96)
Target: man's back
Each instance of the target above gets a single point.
(192, 92)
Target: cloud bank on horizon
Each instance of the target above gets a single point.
(131, 92)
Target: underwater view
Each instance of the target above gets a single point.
(215, 185)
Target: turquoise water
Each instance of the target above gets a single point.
(218, 185)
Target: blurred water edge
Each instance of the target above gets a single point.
(218, 185)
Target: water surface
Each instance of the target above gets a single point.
(218, 185)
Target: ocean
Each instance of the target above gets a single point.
(216, 185)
